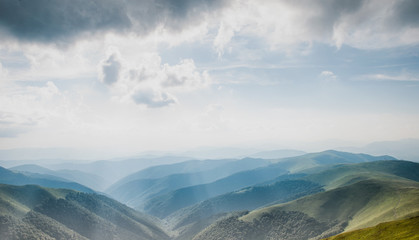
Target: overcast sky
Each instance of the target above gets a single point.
(137, 75)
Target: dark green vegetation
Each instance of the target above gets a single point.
(406, 229)
(33, 212)
(189, 221)
(15, 178)
(360, 195)
(271, 225)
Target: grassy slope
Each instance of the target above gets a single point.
(189, 221)
(406, 229)
(19, 200)
(340, 175)
(45, 213)
(361, 204)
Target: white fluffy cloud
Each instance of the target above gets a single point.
(150, 83)
(328, 76)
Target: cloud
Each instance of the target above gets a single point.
(23, 107)
(184, 75)
(12, 124)
(63, 21)
(110, 69)
(148, 82)
(152, 98)
(3, 71)
(286, 25)
(328, 76)
(385, 77)
(358, 23)
(406, 13)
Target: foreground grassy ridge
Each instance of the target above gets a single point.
(19, 200)
(359, 205)
(406, 229)
(362, 204)
(34, 212)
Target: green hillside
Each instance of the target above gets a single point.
(358, 205)
(160, 171)
(189, 221)
(406, 229)
(134, 190)
(16, 178)
(164, 205)
(33, 212)
(87, 179)
(361, 204)
(340, 175)
(330, 157)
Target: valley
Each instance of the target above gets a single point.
(311, 196)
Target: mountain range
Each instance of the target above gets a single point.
(310, 196)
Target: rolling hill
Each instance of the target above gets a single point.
(275, 154)
(33, 212)
(343, 174)
(113, 170)
(362, 204)
(15, 178)
(188, 221)
(329, 157)
(406, 229)
(164, 205)
(90, 180)
(140, 187)
(359, 195)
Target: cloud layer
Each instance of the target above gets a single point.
(63, 21)
(149, 82)
(359, 23)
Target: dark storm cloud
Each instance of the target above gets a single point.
(407, 13)
(62, 21)
(173, 14)
(45, 21)
(329, 12)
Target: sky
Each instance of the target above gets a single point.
(142, 75)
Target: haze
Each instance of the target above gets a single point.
(124, 77)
